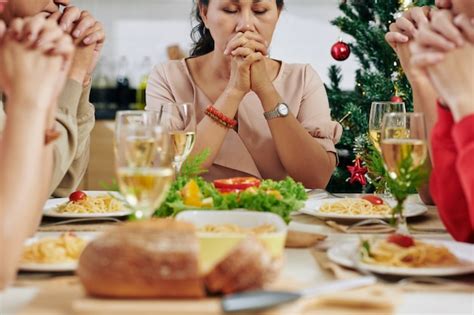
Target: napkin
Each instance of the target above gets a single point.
(299, 239)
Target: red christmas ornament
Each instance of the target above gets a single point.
(358, 172)
(340, 51)
(396, 99)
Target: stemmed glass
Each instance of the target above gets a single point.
(404, 151)
(180, 121)
(377, 112)
(143, 161)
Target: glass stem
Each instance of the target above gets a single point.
(402, 226)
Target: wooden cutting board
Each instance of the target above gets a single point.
(207, 306)
(354, 305)
(354, 302)
(65, 296)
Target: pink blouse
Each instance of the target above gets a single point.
(250, 151)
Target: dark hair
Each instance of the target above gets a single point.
(203, 42)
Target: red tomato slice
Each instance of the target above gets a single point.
(77, 196)
(373, 199)
(401, 240)
(237, 183)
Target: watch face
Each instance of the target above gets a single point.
(282, 109)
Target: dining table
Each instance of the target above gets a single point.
(49, 293)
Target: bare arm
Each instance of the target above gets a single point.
(21, 207)
(210, 134)
(303, 158)
(31, 80)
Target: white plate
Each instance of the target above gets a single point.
(344, 255)
(13, 299)
(51, 205)
(312, 206)
(60, 267)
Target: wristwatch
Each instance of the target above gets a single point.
(281, 110)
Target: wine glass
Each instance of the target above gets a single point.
(180, 121)
(377, 112)
(404, 151)
(143, 161)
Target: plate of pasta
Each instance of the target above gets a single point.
(88, 204)
(367, 207)
(54, 252)
(402, 255)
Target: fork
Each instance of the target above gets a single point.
(81, 220)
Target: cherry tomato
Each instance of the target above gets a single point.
(77, 196)
(373, 199)
(237, 183)
(401, 240)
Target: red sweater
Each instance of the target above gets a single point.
(452, 178)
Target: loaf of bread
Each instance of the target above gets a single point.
(246, 267)
(149, 259)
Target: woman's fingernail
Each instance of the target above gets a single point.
(64, 26)
(226, 52)
(87, 40)
(76, 33)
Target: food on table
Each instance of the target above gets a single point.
(375, 200)
(279, 197)
(236, 184)
(77, 196)
(147, 259)
(65, 248)
(80, 202)
(244, 268)
(404, 251)
(401, 240)
(357, 206)
(233, 228)
(160, 259)
(192, 195)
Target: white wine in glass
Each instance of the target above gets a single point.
(377, 112)
(182, 143)
(145, 188)
(180, 121)
(404, 148)
(143, 161)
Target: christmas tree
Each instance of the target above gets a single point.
(380, 77)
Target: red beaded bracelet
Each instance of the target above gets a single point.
(50, 135)
(220, 117)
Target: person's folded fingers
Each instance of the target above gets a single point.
(466, 26)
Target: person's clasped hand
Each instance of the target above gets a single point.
(445, 48)
(89, 37)
(35, 55)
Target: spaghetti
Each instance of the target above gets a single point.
(382, 252)
(232, 228)
(355, 206)
(99, 204)
(66, 248)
